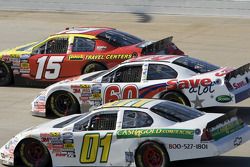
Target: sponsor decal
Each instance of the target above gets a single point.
(237, 141)
(198, 102)
(101, 48)
(6, 58)
(119, 56)
(229, 127)
(188, 146)
(223, 99)
(25, 65)
(171, 133)
(239, 84)
(129, 157)
(186, 84)
(76, 57)
(67, 135)
(94, 57)
(99, 57)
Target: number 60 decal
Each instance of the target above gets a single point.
(91, 143)
(113, 92)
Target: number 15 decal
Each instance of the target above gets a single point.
(53, 64)
(91, 144)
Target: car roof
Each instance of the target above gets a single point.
(156, 58)
(132, 103)
(94, 31)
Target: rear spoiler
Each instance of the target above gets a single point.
(225, 125)
(222, 119)
(238, 82)
(239, 71)
(157, 46)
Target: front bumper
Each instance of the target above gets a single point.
(6, 158)
(39, 106)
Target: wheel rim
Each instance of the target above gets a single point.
(3, 73)
(63, 103)
(176, 99)
(152, 157)
(34, 152)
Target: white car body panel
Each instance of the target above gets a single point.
(182, 140)
(202, 90)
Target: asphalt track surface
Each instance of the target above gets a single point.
(222, 41)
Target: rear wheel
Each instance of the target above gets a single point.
(151, 154)
(63, 103)
(5, 74)
(34, 154)
(176, 97)
(92, 67)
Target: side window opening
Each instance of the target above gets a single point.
(98, 122)
(83, 45)
(136, 119)
(124, 74)
(160, 71)
(57, 46)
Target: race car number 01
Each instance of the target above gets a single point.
(91, 142)
(53, 64)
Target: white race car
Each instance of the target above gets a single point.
(182, 79)
(132, 132)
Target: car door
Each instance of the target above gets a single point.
(47, 59)
(155, 79)
(94, 138)
(122, 83)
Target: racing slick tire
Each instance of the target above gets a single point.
(6, 75)
(63, 103)
(176, 97)
(34, 154)
(151, 154)
(92, 67)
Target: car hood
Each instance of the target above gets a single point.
(81, 79)
(18, 50)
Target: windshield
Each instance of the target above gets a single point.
(27, 47)
(175, 112)
(195, 65)
(93, 77)
(118, 38)
(70, 120)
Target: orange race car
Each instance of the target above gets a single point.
(73, 52)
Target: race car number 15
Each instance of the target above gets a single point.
(52, 69)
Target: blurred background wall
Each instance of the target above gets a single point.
(183, 7)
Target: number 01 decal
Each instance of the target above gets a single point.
(91, 143)
(53, 64)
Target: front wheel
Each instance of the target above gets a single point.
(63, 103)
(176, 97)
(92, 67)
(34, 154)
(151, 154)
(5, 74)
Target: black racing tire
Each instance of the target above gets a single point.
(34, 154)
(63, 103)
(151, 154)
(176, 97)
(6, 75)
(92, 67)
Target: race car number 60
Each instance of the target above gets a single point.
(53, 64)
